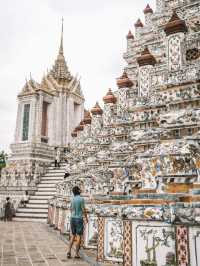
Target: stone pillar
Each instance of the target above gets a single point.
(175, 51)
(39, 118)
(70, 119)
(65, 123)
(32, 125)
(146, 62)
(130, 40)
(122, 102)
(96, 120)
(148, 15)
(59, 119)
(123, 83)
(87, 120)
(96, 124)
(51, 123)
(18, 128)
(138, 28)
(144, 80)
(175, 30)
(109, 102)
(87, 131)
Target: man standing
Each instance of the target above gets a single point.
(67, 170)
(25, 199)
(77, 212)
(57, 157)
(8, 206)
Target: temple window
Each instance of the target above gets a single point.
(25, 130)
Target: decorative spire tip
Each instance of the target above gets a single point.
(61, 41)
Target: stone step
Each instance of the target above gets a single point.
(45, 189)
(50, 182)
(37, 206)
(38, 201)
(41, 197)
(52, 185)
(24, 219)
(53, 165)
(53, 170)
(52, 178)
(31, 215)
(54, 174)
(31, 210)
(44, 193)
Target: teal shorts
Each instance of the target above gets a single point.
(76, 226)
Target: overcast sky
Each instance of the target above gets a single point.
(94, 41)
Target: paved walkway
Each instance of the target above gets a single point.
(28, 244)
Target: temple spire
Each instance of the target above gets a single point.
(61, 41)
(60, 70)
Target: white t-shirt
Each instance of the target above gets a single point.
(58, 156)
(25, 197)
(67, 169)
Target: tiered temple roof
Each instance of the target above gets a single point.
(58, 78)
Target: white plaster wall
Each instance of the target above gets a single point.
(50, 123)
(58, 119)
(194, 246)
(64, 120)
(18, 122)
(32, 120)
(39, 118)
(70, 119)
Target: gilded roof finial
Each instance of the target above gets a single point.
(61, 41)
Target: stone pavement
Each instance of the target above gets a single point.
(28, 244)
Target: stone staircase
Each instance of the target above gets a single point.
(37, 208)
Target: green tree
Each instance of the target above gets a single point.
(3, 157)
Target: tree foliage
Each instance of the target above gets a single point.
(3, 157)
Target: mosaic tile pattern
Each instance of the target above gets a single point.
(144, 80)
(100, 252)
(182, 246)
(127, 243)
(174, 52)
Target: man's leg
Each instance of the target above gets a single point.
(71, 243)
(78, 245)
